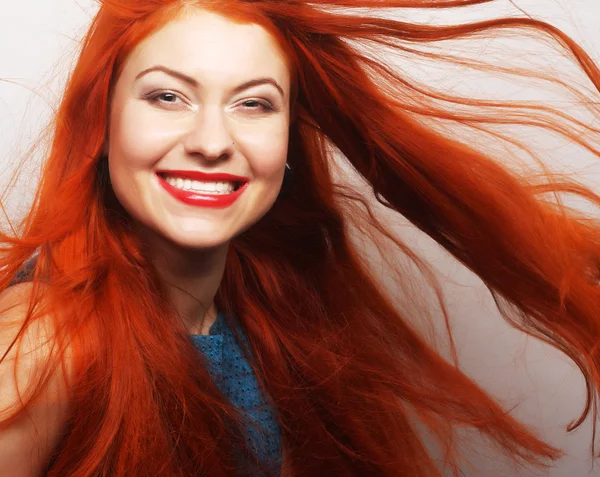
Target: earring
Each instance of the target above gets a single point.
(284, 192)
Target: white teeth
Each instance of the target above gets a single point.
(197, 186)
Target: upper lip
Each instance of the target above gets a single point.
(204, 176)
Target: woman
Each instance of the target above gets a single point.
(191, 308)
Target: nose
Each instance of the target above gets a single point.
(209, 135)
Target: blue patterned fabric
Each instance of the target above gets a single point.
(25, 273)
(236, 380)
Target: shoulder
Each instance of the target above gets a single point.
(15, 303)
(27, 441)
(25, 346)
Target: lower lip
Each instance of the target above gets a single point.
(199, 199)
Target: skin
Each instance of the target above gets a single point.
(159, 121)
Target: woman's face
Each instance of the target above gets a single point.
(198, 133)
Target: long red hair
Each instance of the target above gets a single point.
(349, 376)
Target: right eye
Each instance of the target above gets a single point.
(166, 98)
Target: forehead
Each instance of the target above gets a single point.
(207, 44)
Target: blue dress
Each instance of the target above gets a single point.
(235, 378)
(233, 375)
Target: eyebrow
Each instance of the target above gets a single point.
(194, 83)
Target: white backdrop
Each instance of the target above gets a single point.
(38, 41)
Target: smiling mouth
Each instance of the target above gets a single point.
(219, 187)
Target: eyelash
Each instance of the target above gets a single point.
(153, 98)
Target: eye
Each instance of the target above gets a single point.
(258, 105)
(163, 97)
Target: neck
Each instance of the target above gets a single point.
(192, 278)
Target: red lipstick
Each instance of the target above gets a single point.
(203, 199)
(203, 176)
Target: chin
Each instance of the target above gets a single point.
(200, 243)
(191, 240)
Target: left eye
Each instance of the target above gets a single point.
(256, 104)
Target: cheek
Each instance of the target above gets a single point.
(138, 140)
(269, 155)
(133, 148)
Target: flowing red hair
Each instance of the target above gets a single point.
(349, 376)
